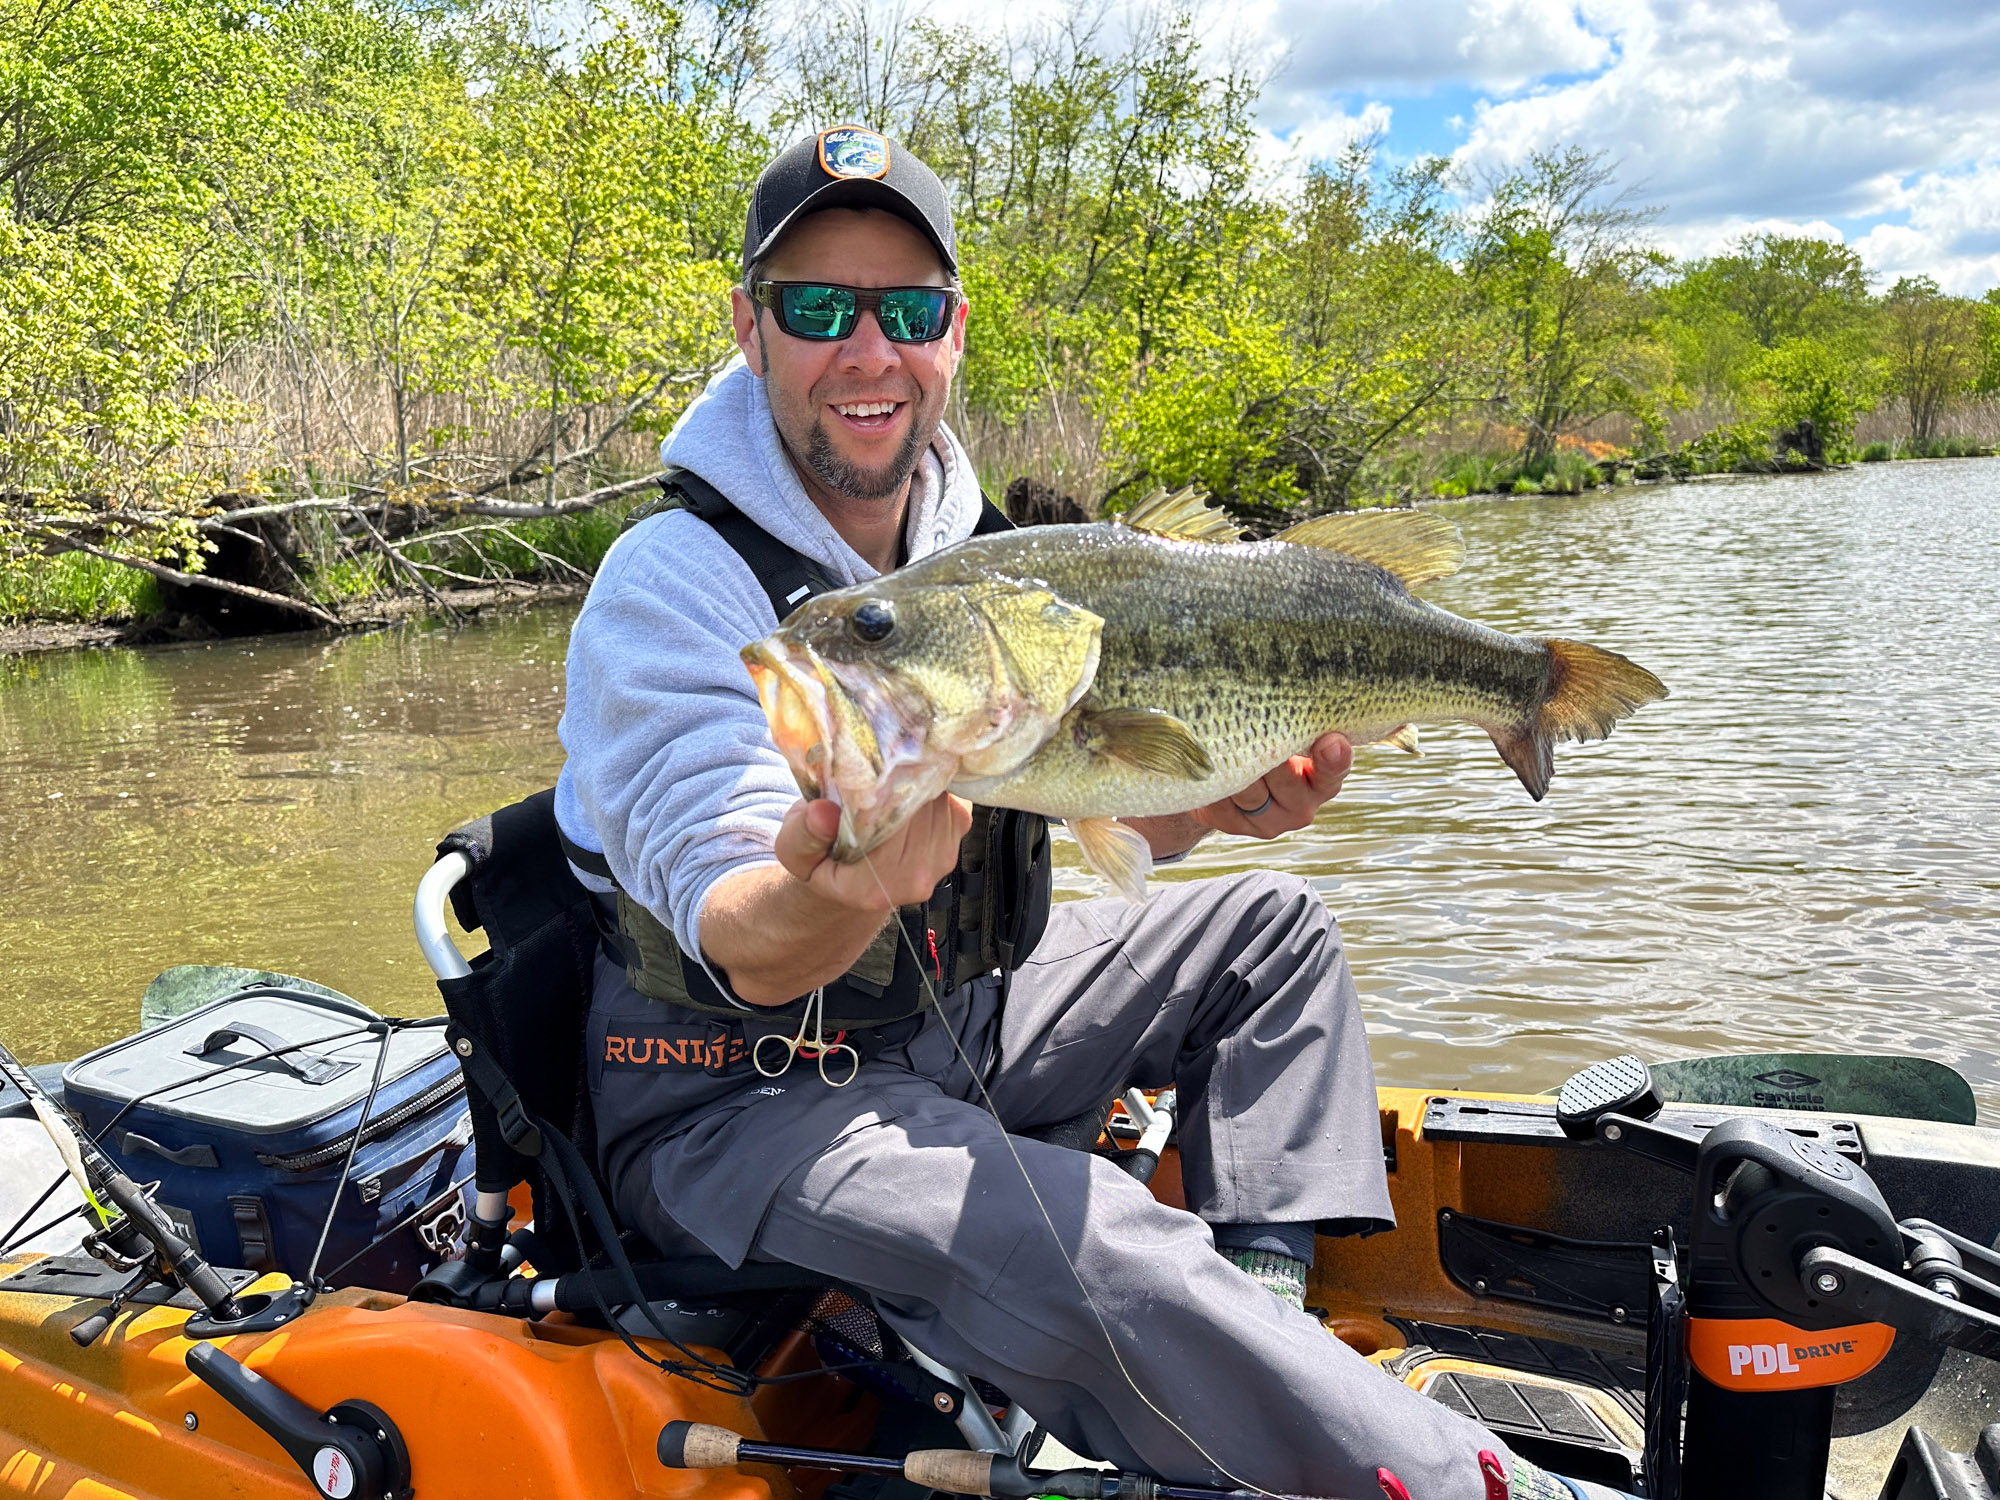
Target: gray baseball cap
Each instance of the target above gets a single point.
(849, 166)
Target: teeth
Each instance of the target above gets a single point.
(866, 408)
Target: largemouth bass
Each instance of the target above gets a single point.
(1150, 665)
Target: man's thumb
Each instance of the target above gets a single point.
(807, 835)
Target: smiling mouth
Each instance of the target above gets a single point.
(868, 416)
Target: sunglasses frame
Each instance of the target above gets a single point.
(866, 300)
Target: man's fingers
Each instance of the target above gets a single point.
(1287, 797)
(1332, 757)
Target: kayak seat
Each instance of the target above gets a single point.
(518, 1016)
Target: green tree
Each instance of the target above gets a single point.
(1932, 350)
(1805, 379)
(1564, 269)
(598, 175)
(1988, 382)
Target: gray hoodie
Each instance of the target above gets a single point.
(671, 771)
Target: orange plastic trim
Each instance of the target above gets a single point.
(1762, 1354)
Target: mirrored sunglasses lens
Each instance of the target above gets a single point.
(817, 312)
(913, 317)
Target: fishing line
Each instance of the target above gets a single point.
(388, 1030)
(1028, 1180)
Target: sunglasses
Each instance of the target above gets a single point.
(816, 310)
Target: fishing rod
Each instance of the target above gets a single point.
(955, 1471)
(96, 1173)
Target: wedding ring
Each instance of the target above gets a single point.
(1251, 812)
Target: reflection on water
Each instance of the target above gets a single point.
(269, 803)
(1801, 848)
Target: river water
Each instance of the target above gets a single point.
(1800, 849)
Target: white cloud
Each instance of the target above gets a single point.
(1322, 137)
(1952, 233)
(1760, 114)
(1370, 44)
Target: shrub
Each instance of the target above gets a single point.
(1877, 453)
(74, 586)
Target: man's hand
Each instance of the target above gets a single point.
(898, 872)
(1287, 798)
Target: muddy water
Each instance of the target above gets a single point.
(1800, 849)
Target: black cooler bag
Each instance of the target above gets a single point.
(249, 1159)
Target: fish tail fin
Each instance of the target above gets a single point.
(1590, 689)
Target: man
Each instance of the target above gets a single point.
(1043, 1270)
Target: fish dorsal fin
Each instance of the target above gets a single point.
(1413, 544)
(1184, 514)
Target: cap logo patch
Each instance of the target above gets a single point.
(850, 151)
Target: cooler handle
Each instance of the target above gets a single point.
(307, 1067)
(200, 1154)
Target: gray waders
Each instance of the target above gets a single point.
(1234, 990)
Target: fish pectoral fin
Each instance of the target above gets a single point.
(1404, 739)
(1412, 544)
(1183, 513)
(1150, 739)
(1116, 851)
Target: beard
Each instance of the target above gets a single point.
(861, 483)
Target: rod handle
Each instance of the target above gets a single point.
(698, 1445)
(956, 1471)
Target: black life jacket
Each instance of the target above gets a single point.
(987, 914)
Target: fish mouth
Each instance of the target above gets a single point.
(793, 697)
(850, 737)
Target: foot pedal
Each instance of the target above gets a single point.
(1618, 1085)
(1563, 1425)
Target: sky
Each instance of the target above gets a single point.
(1877, 124)
(1872, 122)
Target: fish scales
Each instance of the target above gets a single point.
(1259, 648)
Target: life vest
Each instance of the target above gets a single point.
(987, 914)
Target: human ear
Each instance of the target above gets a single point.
(749, 336)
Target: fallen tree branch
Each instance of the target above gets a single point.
(192, 580)
(515, 510)
(449, 503)
(397, 560)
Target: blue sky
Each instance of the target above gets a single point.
(1874, 123)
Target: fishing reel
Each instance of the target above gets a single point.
(1797, 1279)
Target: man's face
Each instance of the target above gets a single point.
(828, 396)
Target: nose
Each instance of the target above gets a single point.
(867, 349)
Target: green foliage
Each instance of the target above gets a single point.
(74, 586)
(1805, 379)
(1559, 261)
(1877, 452)
(1987, 382)
(1933, 350)
(1733, 448)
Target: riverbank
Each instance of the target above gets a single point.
(30, 637)
(453, 604)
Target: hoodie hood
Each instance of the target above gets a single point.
(729, 438)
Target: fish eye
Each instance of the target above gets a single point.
(873, 619)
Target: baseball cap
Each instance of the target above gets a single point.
(849, 166)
